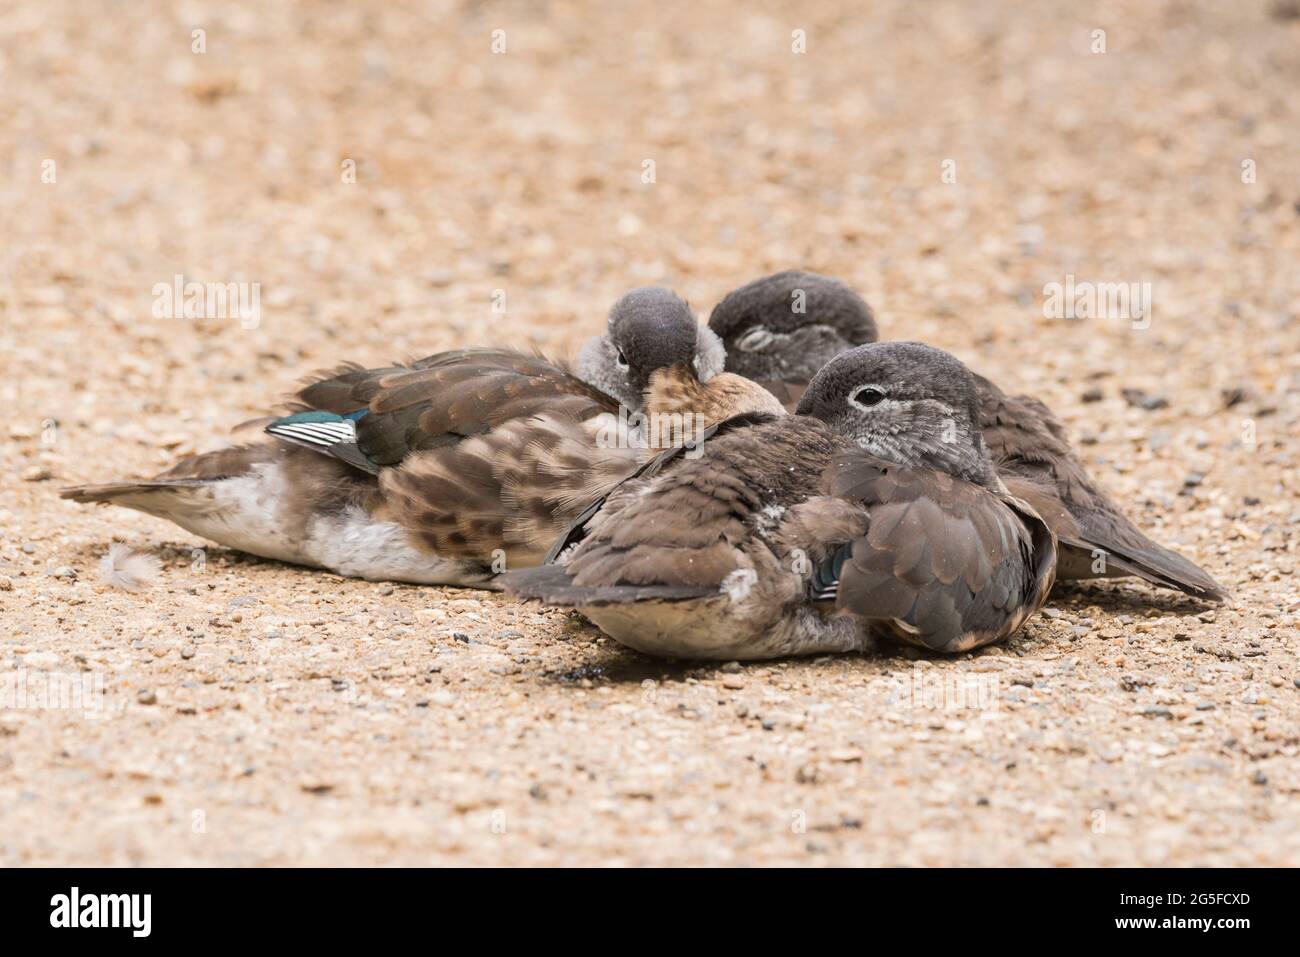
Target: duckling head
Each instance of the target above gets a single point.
(788, 325)
(904, 402)
(649, 329)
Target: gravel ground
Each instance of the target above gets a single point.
(246, 712)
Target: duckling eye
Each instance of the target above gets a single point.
(867, 397)
(755, 340)
(620, 359)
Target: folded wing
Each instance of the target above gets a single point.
(944, 564)
(477, 450)
(1028, 444)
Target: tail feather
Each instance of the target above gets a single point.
(186, 485)
(129, 494)
(1085, 529)
(242, 511)
(1153, 563)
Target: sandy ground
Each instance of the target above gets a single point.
(246, 712)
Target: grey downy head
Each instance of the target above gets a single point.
(650, 328)
(904, 402)
(788, 325)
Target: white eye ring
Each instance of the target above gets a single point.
(620, 360)
(867, 396)
(756, 339)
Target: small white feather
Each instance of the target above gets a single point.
(125, 568)
(739, 583)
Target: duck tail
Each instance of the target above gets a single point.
(235, 497)
(147, 495)
(1152, 563)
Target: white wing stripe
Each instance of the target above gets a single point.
(323, 434)
(308, 438)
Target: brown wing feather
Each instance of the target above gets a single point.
(944, 564)
(687, 529)
(1029, 446)
(484, 449)
(436, 400)
(514, 488)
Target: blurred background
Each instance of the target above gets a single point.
(524, 171)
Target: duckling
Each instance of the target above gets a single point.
(766, 339)
(448, 469)
(781, 329)
(875, 512)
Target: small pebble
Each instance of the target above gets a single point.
(1285, 10)
(806, 774)
(1110, 752)
(1140, 399)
